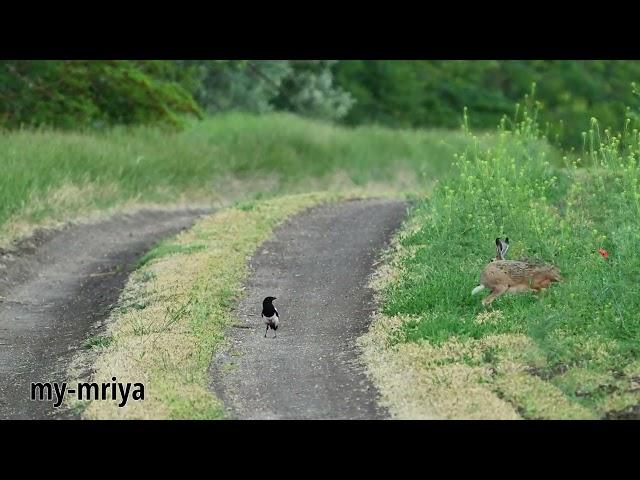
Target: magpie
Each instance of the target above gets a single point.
(270, 314)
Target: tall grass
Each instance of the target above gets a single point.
(44, 172)
(588, 327)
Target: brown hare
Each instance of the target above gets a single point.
(502, 276)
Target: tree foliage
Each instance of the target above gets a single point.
(424, 93)
(72, 94)
(303, 87)
(434, 93)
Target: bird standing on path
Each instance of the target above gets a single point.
(270, 315)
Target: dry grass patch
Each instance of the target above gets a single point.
(419, 381)
(486, 378)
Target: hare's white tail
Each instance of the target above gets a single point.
(477, 289)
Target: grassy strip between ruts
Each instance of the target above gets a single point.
(172, 314)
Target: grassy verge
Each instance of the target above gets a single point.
(49, 177)
(174, 309)
(573, 353)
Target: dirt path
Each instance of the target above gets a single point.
(57, 291)
(318, 266)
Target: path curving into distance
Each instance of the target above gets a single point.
(318, 266)
(57, 290)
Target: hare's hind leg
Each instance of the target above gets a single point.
(538, 293)
(495, 293)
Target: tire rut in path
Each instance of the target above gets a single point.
(57, 291)
(318, 266)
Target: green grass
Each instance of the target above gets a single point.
(584, 332)
(164, 248)
(57, 175)
(101, 341)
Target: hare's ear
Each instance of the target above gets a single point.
(505, 247)
(499, 249)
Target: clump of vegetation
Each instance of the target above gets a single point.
(580, 214)
(100, 341)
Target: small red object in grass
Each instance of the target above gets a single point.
(603, 252)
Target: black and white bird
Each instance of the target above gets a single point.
(270, 315)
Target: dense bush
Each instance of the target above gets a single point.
(303, 87)
(73, 94)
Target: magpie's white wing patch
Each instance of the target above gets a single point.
(272, 320)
